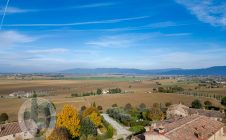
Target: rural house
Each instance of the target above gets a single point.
(179, 110)
(194, 127)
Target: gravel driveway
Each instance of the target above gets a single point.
(121, 130)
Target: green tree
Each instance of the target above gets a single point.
(99, 91)
(137, 129)
(128, 107)
(223, 101)
(34, 108)
(114, 105)
(167, 104)
(155, 114)
(27, 115)
(83, 108)
(196, 104)
(100, 108)
(87, 128)
(142, 106)
(110, 131)
(94, 104)
(4, 117)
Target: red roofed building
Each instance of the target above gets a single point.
(194, 127)
(12, 131)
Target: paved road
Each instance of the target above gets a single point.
(121, 130)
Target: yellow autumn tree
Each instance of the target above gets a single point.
(95, 118)
(89, 111)
(68, 118)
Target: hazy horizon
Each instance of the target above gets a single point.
(47, 36)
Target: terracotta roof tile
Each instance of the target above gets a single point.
(9, 129)
(189, 127)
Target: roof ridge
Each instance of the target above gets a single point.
(8, 123)
(183, 125)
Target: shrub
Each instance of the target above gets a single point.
(114, 105)
(137, 129)
(155, 114)
(223, 101)
(140, 123)
(120, 115)
(110, 132)
(196, 104)
(213, 108)
(59, 134)
(4, 117)
(128, 107)
(100, 108)
(142, 106)
(83, 108)
(99, 91)
(167, 104)
(87, 128)
(75, 95)
(207, 103)
(115, 90)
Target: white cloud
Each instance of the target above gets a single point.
(13, 10)
(177, 34)
(163, 24)
(48, 51)
(79, 23)
(208, 11)
(119, 41)
(166, 58)
(130, 40)
(96, 5)
(8, 38)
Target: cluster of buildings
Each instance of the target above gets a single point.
(180, 110)
(184, 123)
(21, 94)
(28, 94)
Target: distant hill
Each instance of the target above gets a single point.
(115, 71)
(217, 70)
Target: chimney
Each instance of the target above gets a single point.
(199, 135)
(147, 128)
(161, 129)
(2, 128)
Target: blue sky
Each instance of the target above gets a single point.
(45, 36)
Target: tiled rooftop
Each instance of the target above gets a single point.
(189, 127)
(9, 129)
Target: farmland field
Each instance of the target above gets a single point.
(138, 92)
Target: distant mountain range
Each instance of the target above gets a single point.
(216, 70)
